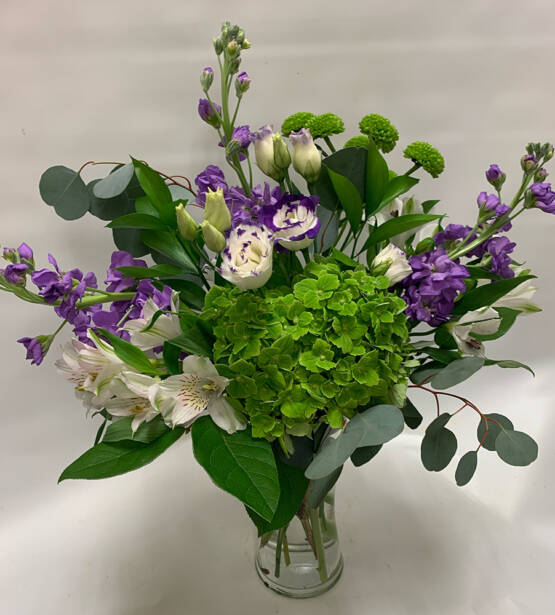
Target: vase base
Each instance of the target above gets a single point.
(305, 586)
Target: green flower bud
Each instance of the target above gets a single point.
(218, 45)
(232, 148)
(282, 157)
(186, 226)
(426, 156)
(382, 131)
(216, 211)
(549, 151)
(240, 37)
(426, 245)
(358, 141)
(206, 78)
(245, 44)
(213, 239)
(233, 47)
(325, 125)
(295, 122)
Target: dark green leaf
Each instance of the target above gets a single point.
(427, 206)
(108, 459)
(320, 487)
(130, 354)
(349, 198)
(377, 425)
(508, 318)
(487, 294)
(364, 454)
(396, 226)
(438, 423)
(114, 184)
(157, 191)
(516, 448)
(412, 417)
(129, 239)
(456, 372)
(194, 341)
(108, 209)
(148, 273)
(440, 354)
(63, 189)
(438, 448)
(478, 273)
(509, 364)
(395, 187)
(324, 189)
(493, 429)
(189, 293)
(171, 355)
(424, 372)
(144, 206)
(466, 468)
(333, 453)
(142, 221)
(328, 229)
(444, 339)
(239, 464)
(303, 452)
(147, 432)
(351, 163)
(168, 245)
(377, 177)
(342, 258)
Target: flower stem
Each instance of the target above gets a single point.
(329, 144)
(319, 543)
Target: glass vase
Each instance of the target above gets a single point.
(302, 559)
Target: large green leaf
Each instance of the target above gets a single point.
(149, 273)
(456, 372)
(63, 189)
(147, 432)
(130, 354)
(108, 459)
(129, 239)
(377, 177)
(349, 198)
(167, 244)
(396, 226)
(351, 163)
(239, 464)
(114, 184)
(108, 209)
(487, 294)
(324, 189)
(466, 468)
(493, 429)
(195, 340)
(516, 448)
(293, 485)
(157, 191)
(438, 448)
(412, 416)
(364, 454)
(142, 221)
(395, 187)
(190, 293)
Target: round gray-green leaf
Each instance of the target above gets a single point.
(114, 184)
(466, 468)
(493, 430)
(377, 425)
(438, 448)
(63, 189)
(516, 448)
(456, 372)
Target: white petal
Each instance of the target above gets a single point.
(201, 366)
(225, 416)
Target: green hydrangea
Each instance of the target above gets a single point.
(382, 131)
(295, 122)
(325, 125)
(426, 156)
(358, 141)
(314, 353)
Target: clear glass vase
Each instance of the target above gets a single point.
(302, 559)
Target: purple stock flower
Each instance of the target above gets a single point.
(114, 279)
(433, 286)
(15, 274)
(544, 196)
(495, 175)
(211, 178)
(35, 350)
(499, 248)
(452, 232)
(25, 252)
(490, 202)
(528, 162)
(241, 134)
(207, 113)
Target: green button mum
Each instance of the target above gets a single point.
(325, 125)
(295, 122)
(382, 131)
(427, 156)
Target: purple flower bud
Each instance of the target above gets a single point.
(544, 196)
(209, 113)
(34, 346)
(10, 255)
(540, 175)
(15, 273)
(528, 162)
(25, 252)
(487, 201)
(206, 78)
(495, 176)
(242, 84)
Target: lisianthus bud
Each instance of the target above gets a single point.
(206, 78)
(242, 83)
(528, 162)
(247, 258)
(185, 224)
(307, 160)
(282, 157)
(495, 176)
(209, 113)
(540, 175)
(213, 239)
(264, 152)
(216, 211)
(391, 262)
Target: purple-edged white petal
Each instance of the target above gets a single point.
(295, 224)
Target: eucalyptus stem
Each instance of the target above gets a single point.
(318, 542)
(286, 554)
(279, 544)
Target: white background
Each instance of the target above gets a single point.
(99, 80)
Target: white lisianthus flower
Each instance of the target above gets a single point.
(520, 298)
(197, 392)
(402, 207)
(263, 143)
(392, 262)
(166, 327)
(307, 159)
(294, 223)
(484, 321)
(247, 257)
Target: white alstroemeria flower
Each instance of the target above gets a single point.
(520, 298)
(197, 392)
(165, 328)
(392, 262)
(402, 207)
(484, 321)
(247, 257)
(133, 396)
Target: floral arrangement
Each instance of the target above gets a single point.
(283, 323)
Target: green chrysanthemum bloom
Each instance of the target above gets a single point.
(325, 125)
(381, 130)
(427, 156)
(295, 122)
(358, 141)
